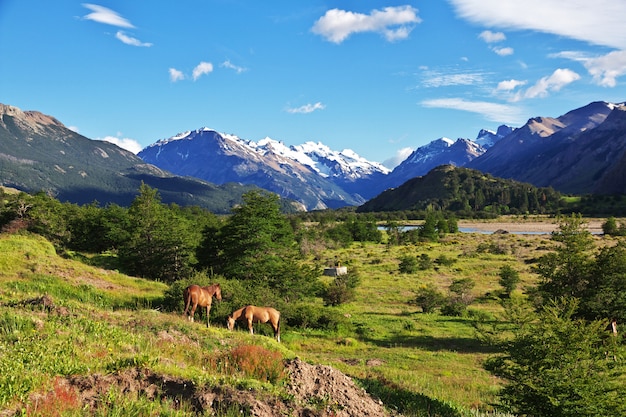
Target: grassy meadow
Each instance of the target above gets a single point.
(101, 321)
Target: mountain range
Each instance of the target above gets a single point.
(39, 154)
(580, 152)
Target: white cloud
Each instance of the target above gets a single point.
(74, 129)
(604, 69)
(307, 108)
(492, 37)
(230, 65)
(125, 143)
(201, 69)
(400, 156)
(128, 40)
(503, 51)
(107, 16)
(599, 22)
(393, 23)
(509, 85)
(607, 68)
(439, 79)
(554, 82)
(501, 113)
(176, 75)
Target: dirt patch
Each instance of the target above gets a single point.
(315, 390)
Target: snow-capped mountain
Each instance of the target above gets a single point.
(442, 151)
(305, 174)
(488, 138)
(311, 173)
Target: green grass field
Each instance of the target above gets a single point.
(102, 321)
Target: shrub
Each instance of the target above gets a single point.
(443, 260)
(408, 264)
(429, 298)
(342, 289)
(509, 278)
(305, 315)
(252, 361)
(425, 262)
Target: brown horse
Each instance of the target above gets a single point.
(254, 314)
(201, 296)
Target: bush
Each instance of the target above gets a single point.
(429, 298)
(251, 361)
(425, 262)
(408, 264)
(443, 260)
(311, 316)
(342, 289)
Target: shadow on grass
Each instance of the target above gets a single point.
(407, 402)
(430, 343)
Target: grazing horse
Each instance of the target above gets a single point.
(254, 314)
(201, 296)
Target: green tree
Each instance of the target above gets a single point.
(509, 278)
(429, 298)
(257, 244)
(609, 227)
(566, 271)
(428, 231)
(555, 365)
(158, 246)
(605, 296)
(408, 264)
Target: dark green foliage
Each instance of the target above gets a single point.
(444, 260)
(461, 291)
(429, 231)
(556, 365)
(429, 298)
(258, 244)
(610, 227)
(363, 228)
(465, 191)
(566, 271)
(159, 245)
(425, 262)
(311, 316)
(605, 295)
(509, 278)
(342, 289)
(408, 264)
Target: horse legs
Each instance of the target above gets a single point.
(277, 331)
(208, 308)
(250, 326)
(193, 312)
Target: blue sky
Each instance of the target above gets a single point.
(378, 77)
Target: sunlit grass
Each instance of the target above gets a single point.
(103, 321)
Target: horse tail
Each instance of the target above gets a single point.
(187, 299)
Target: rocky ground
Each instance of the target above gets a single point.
(315, 390)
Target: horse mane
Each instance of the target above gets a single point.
(237, 313)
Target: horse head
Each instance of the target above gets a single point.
(230, 323)
(218, 292)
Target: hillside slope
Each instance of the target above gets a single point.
(38, 153)
(75, 336)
